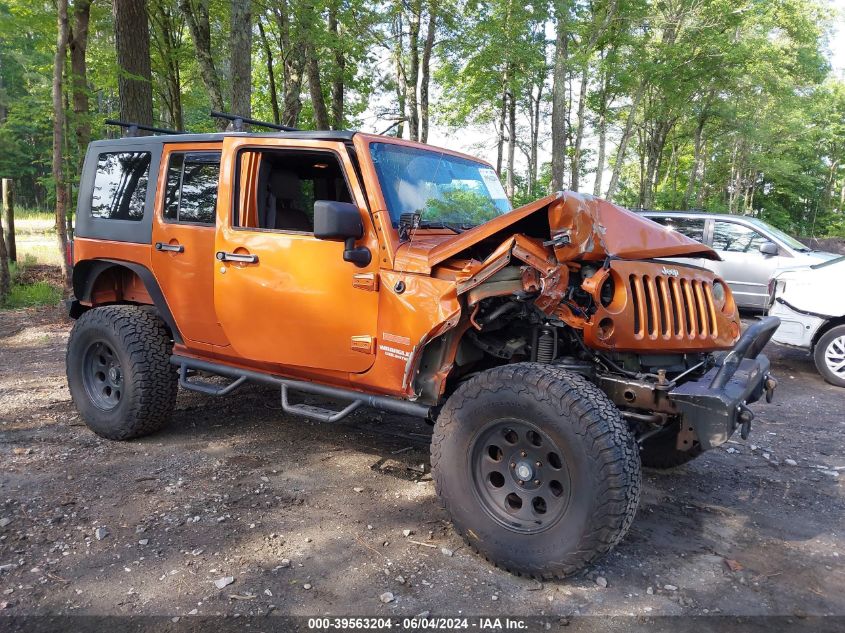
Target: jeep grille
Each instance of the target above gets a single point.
(672, 307)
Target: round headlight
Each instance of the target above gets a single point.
(720, 295)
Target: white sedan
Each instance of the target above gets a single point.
(812, 312)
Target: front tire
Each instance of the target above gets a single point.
(830, 356)
(557, 434)
(119, 371)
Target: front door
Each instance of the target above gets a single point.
(281, 295)
(183, 236)
(745, 269)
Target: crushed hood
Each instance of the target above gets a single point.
(580, 226)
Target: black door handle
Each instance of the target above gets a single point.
(173, 248)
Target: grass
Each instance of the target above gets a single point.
(40, 293)
(35, 238)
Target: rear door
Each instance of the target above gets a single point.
(746, 270)
(183, 237)
(281, 295)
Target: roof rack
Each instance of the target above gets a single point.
(238, 122)
(133, 128)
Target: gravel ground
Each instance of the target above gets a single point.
(309, 519)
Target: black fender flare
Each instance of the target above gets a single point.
(86, 273)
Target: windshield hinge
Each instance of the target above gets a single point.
(408, 222)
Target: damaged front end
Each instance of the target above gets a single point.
(572, 280)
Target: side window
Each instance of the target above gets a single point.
(191, 189)
(277, 188)
(120, 185)
(736, 238)
(693, 228)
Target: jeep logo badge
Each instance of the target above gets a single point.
(671, 272)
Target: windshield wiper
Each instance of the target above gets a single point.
(427, 224)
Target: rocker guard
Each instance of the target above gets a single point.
(715, 405)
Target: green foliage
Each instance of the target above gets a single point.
(739, 112)
(460, 206)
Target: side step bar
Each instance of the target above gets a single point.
(240, 376)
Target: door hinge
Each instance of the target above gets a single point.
(365, 281)
(364, 344)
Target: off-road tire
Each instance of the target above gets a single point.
(141, 346)
(597, 449)
(820, 350)
(661, 452)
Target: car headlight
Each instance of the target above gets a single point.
(720, 295)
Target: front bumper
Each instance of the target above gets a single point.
(715, 405)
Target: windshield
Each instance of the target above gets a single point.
(445, 190)
(787, 239)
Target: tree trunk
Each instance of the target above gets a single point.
(58, 135)
(271, 76)
(5, 277)
(132, 41)
(575, 169)
(78, 44)
(196, 14)
(166, 36)
(510, 187)
(602, 129)
(414, 73)
(401, 81)
(9, 211)
(699, 196)
(293, 63)
(339, 74)
(559, 74)
(241, 62)
(426, 70)
(655, 142)
(696, 163)
(315, 88)
(623, 142)
(503, 115)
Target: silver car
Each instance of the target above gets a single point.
(750, 249)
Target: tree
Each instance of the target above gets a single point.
(9, 213)
(78, 45)
(241, 64)
(58, 134)
(5, 277)
(132, 41)
(166, 42)
(197, 16)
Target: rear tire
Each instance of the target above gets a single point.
(582, 491)
(119, 371)
(830, 356)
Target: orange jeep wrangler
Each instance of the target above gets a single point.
(550, 347)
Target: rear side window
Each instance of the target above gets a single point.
(693, 228)
(120, 185)
(191, 188)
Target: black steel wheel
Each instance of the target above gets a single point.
(102, 375)
(537, 469)
(520, 475)
(119, 371)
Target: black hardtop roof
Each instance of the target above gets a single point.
(314, 135)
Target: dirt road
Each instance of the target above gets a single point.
(309, 519)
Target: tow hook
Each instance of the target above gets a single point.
(770, 384)
(745, 416)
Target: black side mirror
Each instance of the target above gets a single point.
(341, 222)
(769, 248)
